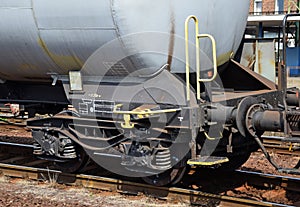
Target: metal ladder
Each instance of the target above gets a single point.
(203, 160)
(187, 68)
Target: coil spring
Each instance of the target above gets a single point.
(69, 151)
(37, 149)
(163, 158)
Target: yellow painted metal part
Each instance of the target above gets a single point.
(187, 61)
(127, 124)
(146, 112)
(213, 138)
(291, 147)
(208, 163)
(223, 58)
(187, 66)
(140, 114)
(214, 54)
(144, 108)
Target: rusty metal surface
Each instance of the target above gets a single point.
(260, 56)
(233, 95)
(57, 36)
(265, 60)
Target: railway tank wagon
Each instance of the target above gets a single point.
(149, 101)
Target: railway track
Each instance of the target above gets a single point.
(26, 166)
(126, 187)
(276, 144)
(270, 180)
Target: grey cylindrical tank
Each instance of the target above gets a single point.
(39, 37)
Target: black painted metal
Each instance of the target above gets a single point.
(283, 79)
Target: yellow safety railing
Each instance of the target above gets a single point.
(187, 68)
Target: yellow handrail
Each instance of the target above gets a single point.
(214, 51)
(187, 63)
(187, 66)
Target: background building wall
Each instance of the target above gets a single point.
(268, 6)
(251, 6)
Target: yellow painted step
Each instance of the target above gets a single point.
(207, 161)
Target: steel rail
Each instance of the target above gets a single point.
(266, 179)
(117, 185)
(276, 143)
(16, 144)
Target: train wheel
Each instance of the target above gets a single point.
(74, 165)
(171, 176)
(98, 170)
(235, 161)
(242, 149)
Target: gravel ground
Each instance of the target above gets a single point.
(258, 162)
(16, 193)
(14, 131)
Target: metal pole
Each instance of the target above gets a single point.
(260, 30)
(298, 26)
(283, 79)
(278, 52)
